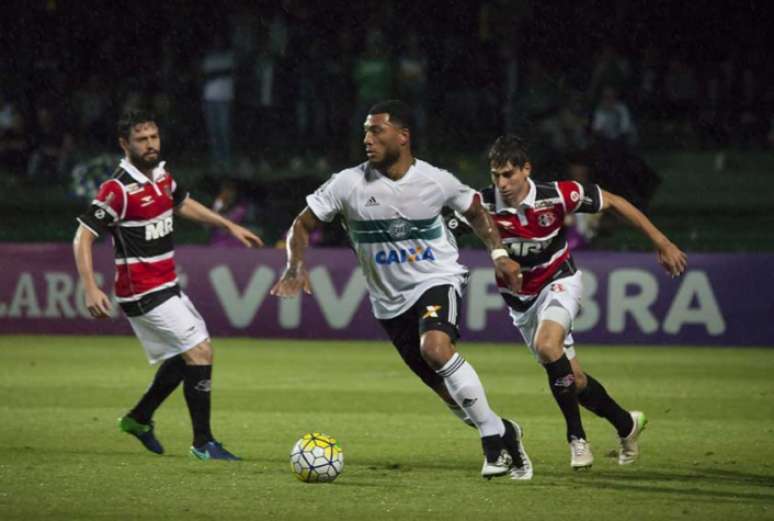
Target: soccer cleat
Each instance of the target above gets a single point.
(630, 448)
(521, 466)
(497, 460)
(142, 432)
(580, 454)
(213, 450)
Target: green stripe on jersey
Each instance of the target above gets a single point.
(391, 230)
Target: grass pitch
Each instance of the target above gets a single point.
(708, 452)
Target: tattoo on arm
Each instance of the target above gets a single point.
(298, 240)
(483, 226)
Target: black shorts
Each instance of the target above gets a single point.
(438, 309)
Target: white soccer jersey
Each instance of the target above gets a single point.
(397, 230)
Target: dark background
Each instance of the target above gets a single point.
(695, 76)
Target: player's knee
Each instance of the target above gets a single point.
(436, 349)
(202, 354)
(548, 351)
(580, 380)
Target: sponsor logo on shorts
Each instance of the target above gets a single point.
(432, 312)
(467, 402)
(387, 257)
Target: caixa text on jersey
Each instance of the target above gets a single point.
(404, 255)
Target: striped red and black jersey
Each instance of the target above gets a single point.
(534, 233)
(139, 214)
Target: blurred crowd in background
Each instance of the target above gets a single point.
(254, 87)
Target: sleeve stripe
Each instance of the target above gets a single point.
(601, 199)
(87, 227)
(582, 195)
(187, 195)
(106, 207)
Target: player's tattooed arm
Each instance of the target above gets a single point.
(295, 277)
(670, 256)
(483, 225)
(506, 269)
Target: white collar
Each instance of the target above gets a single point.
(528, 201)
(139, 176)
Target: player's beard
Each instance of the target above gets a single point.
(391, 157)
(143, 164)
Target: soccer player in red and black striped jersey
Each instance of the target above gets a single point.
(530, 217)
(136, 208)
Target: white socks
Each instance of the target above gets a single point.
(465, 387)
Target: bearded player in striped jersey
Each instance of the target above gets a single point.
(136, 208)
(530, 218)
(392, 205)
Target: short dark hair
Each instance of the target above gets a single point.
(132, 117)
(509, 148)
(399, 111)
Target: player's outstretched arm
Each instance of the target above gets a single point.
(295, 277)
(195, 211)
(97, 302)
(506, 269)
(670, 256)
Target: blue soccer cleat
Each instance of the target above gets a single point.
(213, 450)
(142, 432)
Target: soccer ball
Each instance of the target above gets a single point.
(316, 458)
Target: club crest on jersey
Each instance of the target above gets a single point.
(404, 255)
(557, 287)
(399, 229)
(546, 219)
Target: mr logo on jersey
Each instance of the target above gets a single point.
(157, 230)
(410, 255)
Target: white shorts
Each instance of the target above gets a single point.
(566, 293)
(169, 329)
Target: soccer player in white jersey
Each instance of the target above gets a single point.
(136, 209)
(530, 217)
(391, 206)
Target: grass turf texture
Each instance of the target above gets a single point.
(708, 452)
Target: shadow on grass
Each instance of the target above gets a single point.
(703, 483)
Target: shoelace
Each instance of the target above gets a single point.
(579, 447)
